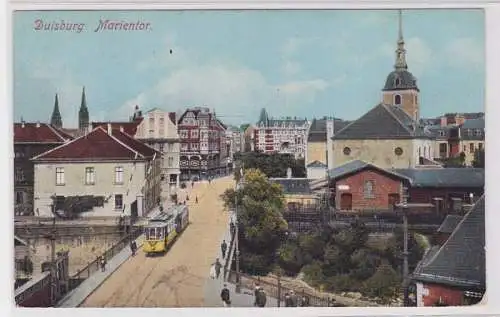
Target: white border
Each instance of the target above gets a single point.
(492, 123)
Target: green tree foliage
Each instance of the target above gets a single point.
(478, 159)
(384, 283)
(260, 221)
(394, 251)
(272, 165)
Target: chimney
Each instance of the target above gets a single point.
(121, 128)
(289, 173)
(38, 124)
(444, 121)
(109, 129)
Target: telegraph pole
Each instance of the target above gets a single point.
(405, 249)
(53, 265)
(237, 247)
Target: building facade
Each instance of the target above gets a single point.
(31, 139)
(103, 173)
(203, 144)
(286, 135)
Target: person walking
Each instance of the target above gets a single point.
(225, 296)
(232, 228)
(218, 267)
(288, 300)
(196, 199)
(223, 248)
(132, 247)
(261, 298)
(102, 262)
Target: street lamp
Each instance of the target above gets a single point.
(405, 247)
(239, 186)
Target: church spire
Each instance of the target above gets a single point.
(83, 114)
(56, 119)
(400, 51)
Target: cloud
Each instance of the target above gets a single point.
(235, 92)
(464, 52)
(419, 55)
(291, 68)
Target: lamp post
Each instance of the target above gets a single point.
(278, 273)
(239, 186)
(405, 247)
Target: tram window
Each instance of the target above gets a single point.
(159, 233)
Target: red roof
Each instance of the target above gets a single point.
(99, 145)
(129, 127)
(38, 133)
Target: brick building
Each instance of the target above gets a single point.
(204, 149)
(455, 273)
(284, 135)
(31, 139)
(359, 185)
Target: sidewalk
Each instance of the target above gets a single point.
(213, 287)
(77, 296)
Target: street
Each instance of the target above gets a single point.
(178, 278)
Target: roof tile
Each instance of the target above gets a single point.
(38, 133)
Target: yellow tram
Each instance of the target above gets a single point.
(162, 230)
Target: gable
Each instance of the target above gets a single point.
(378, 123)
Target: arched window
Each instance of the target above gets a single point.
(416, 99)
(397, 100)
(368, 189)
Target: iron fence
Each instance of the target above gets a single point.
(93, 266)
(272, 290)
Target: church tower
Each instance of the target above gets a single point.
(56, 119)
(83, 114)
(401, 86)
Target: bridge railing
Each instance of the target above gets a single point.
(93, 266)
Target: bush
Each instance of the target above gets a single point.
(313, 273)
(385, 283)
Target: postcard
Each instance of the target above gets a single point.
(265, 158)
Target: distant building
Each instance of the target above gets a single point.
(31, 139)
(286, 135)
(116, 173)
(454, 273)
(204, 150)
(319, 157)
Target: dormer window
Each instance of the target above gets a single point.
(397, 82)
(397, 100)
(478, 132)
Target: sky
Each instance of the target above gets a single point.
(293, 63)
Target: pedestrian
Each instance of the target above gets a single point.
(293, 298)
(218, 267)
(261, 298)
(225, 296)
(187, 197)
(256, 294)
(132, 247)
(305, 301)
(196, 199)
(223, 248)
(192, 184)
(288, 300)
(102, 262)
(232, 228)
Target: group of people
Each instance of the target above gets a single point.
(292, 300)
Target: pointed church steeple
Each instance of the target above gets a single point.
(83, 114)
(400, 51)
(56, 119)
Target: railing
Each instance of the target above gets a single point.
(229, 259)
(93, 266)
(271, 289)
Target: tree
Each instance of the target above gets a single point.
(260, 221)
(291, 258)
(273, 165)
(478, 159)
(394, 250)
(384, 283)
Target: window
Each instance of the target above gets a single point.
(347, 151)
(465, 148)
(194, 134)
(477, 132)
(162, 146)
(368, 189)
(480, 146)
(397, 100)
(119, 202)
(183, 134)
(89, 176)
(442, 133)
(59, 175)
(471, 147)
(416, 99)
(170, 161)
(119, 175)
(399, 151)
(397, 81)
(151, 121)
(19, 174)
(162, 121)
(184, 147)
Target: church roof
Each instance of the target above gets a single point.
(400, 80)
(382, 122)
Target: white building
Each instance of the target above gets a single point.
(103, 173)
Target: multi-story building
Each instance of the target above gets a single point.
(285, 135)
(158, 129)
(235, 140)
(105, 172)
(203, 141)
(458, 133)
(31, 139)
